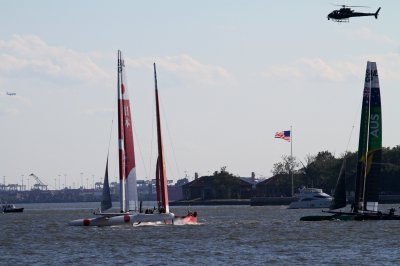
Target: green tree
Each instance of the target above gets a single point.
(390, 170)
(287, 164)
(227, 185)
(322, 171)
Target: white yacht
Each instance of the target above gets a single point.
(311, 198)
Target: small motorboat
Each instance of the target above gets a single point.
(5, 208)
(311, 198)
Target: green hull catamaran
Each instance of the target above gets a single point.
(365, 205)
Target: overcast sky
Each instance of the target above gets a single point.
(230, 74)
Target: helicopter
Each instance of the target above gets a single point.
(343, 14)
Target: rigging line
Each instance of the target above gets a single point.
(170, 139)
(169, 166)
(112, 124)
(348, 142)
(351, 131)
(152, 139)
(140, 149)
(115, 167)
(109, 142)
(356, 114)
(111, 133)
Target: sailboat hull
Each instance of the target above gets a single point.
(98, 221)
(334, 217)
(352, 217)
(137, 218)
(377, 216)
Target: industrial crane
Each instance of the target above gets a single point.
(40, 185)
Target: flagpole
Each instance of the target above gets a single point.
(291, 157)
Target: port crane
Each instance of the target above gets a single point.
(40, 185)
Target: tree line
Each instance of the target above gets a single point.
(322, 170)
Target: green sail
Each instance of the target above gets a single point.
(370, 144)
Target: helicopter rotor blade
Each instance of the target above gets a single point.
(344, 6)
(360, 6)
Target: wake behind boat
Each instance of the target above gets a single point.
(365, 205)
(130, 211)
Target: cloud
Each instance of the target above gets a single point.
(321, 69)
(29, 56)
(14, 98)
(310, 69)
(388, 66)
(34, 56)
(8, 111)
(186, 68)
(366, 34)
(317, 69)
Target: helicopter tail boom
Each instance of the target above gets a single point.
(377, 12)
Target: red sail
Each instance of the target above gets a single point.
(161, 178)
(127, 169)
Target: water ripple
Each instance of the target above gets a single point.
(234, 235)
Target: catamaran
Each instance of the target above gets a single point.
(130, 211)
(365, 205)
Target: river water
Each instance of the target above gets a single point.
(225, 235)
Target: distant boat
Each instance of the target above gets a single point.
(7, 208)
(311, 198)
(11, 93)
(365, 205)
(131, 211)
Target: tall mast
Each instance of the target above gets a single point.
(374, 155)
(127, 166)
(161, 176)
(291, 158)
(363, 199)
(121, 145)
(370, 144)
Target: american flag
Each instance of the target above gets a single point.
(283, 135)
